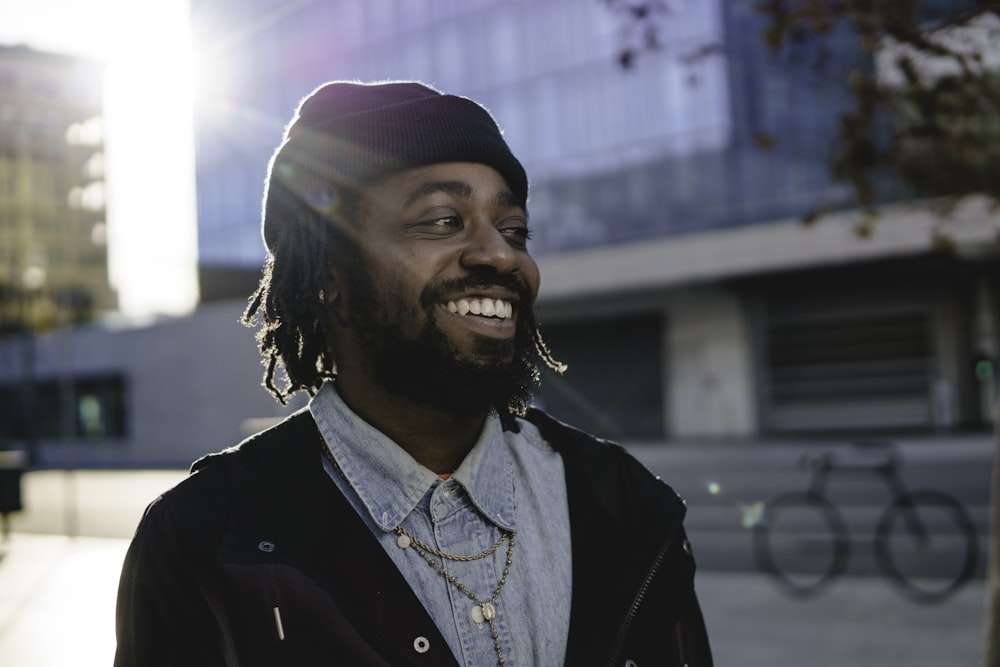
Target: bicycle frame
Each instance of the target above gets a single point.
(886, 468)
(908, 509)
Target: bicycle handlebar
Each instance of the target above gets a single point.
(887, 460)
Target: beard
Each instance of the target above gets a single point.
(428, 368)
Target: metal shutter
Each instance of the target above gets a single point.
(860, 363)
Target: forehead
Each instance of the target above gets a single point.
(460, 180)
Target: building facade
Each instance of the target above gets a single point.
(114, 394)
(678, 281)
(53, 237)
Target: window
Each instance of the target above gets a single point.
(87, 408)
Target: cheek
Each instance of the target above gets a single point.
(399, 298)
(532, 276)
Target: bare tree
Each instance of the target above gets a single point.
(927, 110)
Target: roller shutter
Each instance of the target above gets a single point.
(860, 364)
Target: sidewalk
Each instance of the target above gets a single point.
(57, 599)
(858, 622)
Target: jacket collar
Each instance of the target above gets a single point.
(285, 496)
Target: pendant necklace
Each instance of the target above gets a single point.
(484, 610)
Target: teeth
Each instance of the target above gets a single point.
(484, 307)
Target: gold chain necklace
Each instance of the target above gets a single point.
(485, 610)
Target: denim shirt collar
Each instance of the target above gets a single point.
(390, 483)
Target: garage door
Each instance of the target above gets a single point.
(857, 364)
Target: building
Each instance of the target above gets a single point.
(678, 281)
(112, 394)
(53, 250)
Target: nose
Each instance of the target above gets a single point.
(487, 247)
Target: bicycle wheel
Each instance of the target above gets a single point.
(925, 543)
(801, 542)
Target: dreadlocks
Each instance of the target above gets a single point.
(290, 302)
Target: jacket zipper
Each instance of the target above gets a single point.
(279, 626)
(637, 601)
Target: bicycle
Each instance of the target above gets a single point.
(925, 541)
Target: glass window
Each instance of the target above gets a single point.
(449, 58)
(444, 9)
(347, 22)
(546, 39)
(504, 40)
(413, 14)
(84, 407)
(542, 101)
(380, 19)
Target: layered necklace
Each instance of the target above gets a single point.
(484, 610)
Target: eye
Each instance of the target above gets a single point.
(516, 230)
(452, 221)
(442, 224)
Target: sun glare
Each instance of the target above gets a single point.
(149, 161)
(150, 149)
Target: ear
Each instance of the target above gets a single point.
(335, 296)
(333, 289)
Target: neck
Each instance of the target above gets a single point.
(436, 438)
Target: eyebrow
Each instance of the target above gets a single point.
(458, 189)
(455, 188)
(510, 199)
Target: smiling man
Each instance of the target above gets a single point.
(418, 511)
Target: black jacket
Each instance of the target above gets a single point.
(260, 526)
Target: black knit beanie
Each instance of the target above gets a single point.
(345, 134)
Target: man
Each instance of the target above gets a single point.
(417, 512)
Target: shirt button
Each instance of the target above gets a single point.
(267, 546)
(421, 645)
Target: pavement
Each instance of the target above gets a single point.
(57, 600)
(57, 594)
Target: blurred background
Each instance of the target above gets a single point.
(764, 229)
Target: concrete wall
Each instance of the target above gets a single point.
(191, 383)
(699, 258)
(709, 369)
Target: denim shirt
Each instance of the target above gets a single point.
(507, 482)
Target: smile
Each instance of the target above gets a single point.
(497, 308)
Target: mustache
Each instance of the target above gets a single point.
(436, 292)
